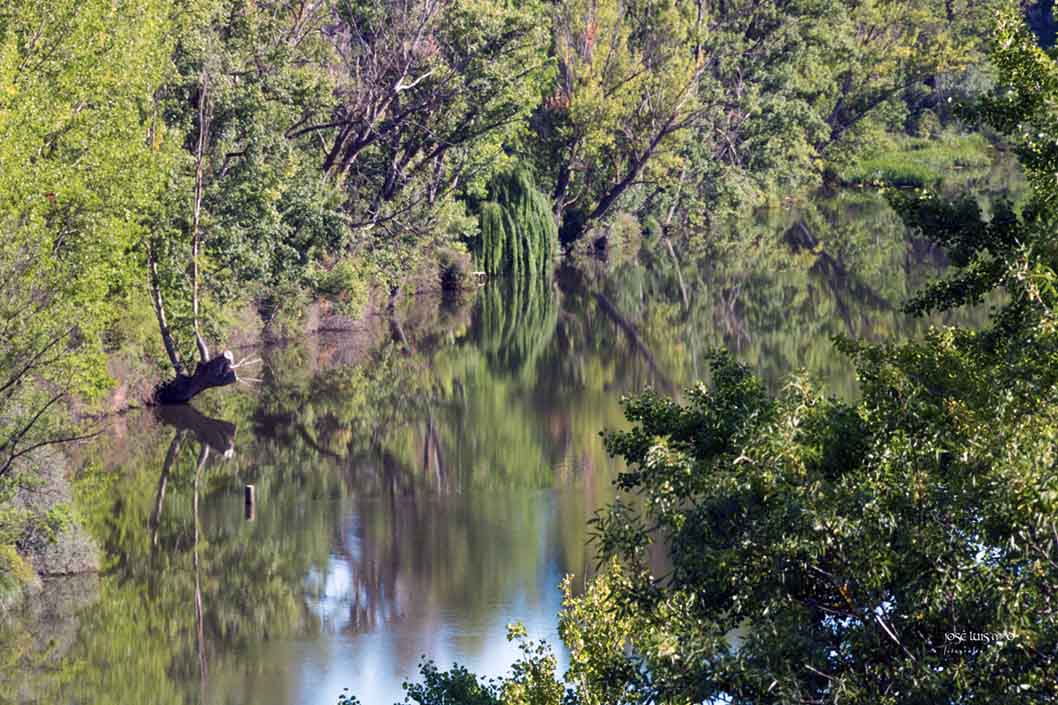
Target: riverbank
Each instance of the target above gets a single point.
(59, 547)
(847, 286)
(135, 371)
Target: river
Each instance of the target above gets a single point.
(415, 495)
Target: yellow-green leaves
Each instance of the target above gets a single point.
(627, 86)
(78, 178)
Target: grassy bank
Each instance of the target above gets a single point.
(921, 161)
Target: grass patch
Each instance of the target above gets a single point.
(921, 162)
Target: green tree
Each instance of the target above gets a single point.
(77, 169)
(626, 92)
(518, 233)
(246, 215)
(427, 96)
(897, 550)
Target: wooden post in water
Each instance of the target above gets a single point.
(251, 504)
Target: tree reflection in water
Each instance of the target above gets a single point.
(421, 485)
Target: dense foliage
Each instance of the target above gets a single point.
(687, 109)
(175, 160)
(76, 175)
(901, 549)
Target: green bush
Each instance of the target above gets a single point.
(927, 125)
(532, 680)
(454, 269)
(345, 284)
(14, 572)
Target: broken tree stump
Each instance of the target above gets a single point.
(218, 372)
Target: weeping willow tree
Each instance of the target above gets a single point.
(518, 231)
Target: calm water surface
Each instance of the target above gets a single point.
(421, 484)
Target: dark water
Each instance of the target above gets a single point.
(424, 483)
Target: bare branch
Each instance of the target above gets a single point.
(18, 376)
(10, 446)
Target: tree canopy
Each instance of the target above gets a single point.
(900, 549)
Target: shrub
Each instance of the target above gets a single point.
(454, 269)
(345, 284)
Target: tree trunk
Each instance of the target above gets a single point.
(196, 213)
(561, 187)
(218, 372)
(636, 166)
(159, 311)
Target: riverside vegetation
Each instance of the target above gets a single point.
(164, 165)
(822, 551)
(460, 458)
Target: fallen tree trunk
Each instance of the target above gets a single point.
(218, 372)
